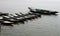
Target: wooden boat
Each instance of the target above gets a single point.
(41, 11)
(14, 15)
(21, 13)
(18, 14)
(9, 21)
(36, 14)
(13, 19)
(27, 16)
(5, 14)
(20, 17)
(2, 22)
(6, 18)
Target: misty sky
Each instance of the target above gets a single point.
(10, 5)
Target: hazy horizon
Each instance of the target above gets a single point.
(21, 5)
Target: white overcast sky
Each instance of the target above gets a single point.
(16, 4)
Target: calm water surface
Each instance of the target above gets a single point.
(44, 26)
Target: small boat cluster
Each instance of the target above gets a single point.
(10, 19)
(17, 18)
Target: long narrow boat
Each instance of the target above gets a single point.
(25, 17)
(41, 11)
(18, 14)
(36, 14)
(21, 13)
(2, 22)
(6, 18)
(5, 14)
(12, 19)
(21, 17)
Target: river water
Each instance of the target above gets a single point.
(47, 25)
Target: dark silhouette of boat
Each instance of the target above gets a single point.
(22, 15)
(3, 14)
(13, 19)
(2, 22)
(29, 15)
(41, 11)
(36, 14)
